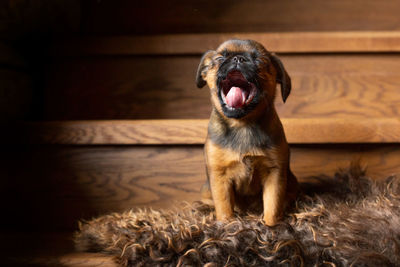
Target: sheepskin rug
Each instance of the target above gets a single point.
(345, 220)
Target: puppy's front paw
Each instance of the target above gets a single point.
(271, 220)
(224, 217)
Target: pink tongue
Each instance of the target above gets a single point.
(235, 97)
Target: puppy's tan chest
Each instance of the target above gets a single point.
(245, 171)
(254, 171)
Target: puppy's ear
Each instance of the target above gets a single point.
(203, 68)
(282, 77)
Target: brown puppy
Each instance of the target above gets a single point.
(247, 156)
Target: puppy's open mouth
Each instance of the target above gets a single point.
(236, 91)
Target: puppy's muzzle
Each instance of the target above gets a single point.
(236, 91)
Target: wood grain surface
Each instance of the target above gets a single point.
(116, 132)
(86, 260)
(338, 85)
(130, 17)
(189, 44)
(56, 186)
(47, 249)
(188, 132)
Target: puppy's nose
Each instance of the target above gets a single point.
(239, 59)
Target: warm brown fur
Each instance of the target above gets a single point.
(242, 170)
(346, 220)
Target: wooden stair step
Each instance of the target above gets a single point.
(47, 249)
(186, 44)
(363, 85)
(83, 260)
(69, 259)
(190, 132)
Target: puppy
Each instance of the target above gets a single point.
(246, 152)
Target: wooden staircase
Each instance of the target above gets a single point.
(123, 124)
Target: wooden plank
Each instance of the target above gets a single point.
(114, 132)
(86, 260)
(175, 16)
(25, 248)
(338, 130)
(125, 88)
(57, 186)
(71, 259)
(167, 132)
(184, 44)
(345, 85)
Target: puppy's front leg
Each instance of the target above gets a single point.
(223, 196)
(274, 187)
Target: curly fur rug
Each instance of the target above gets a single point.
(345, 220)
